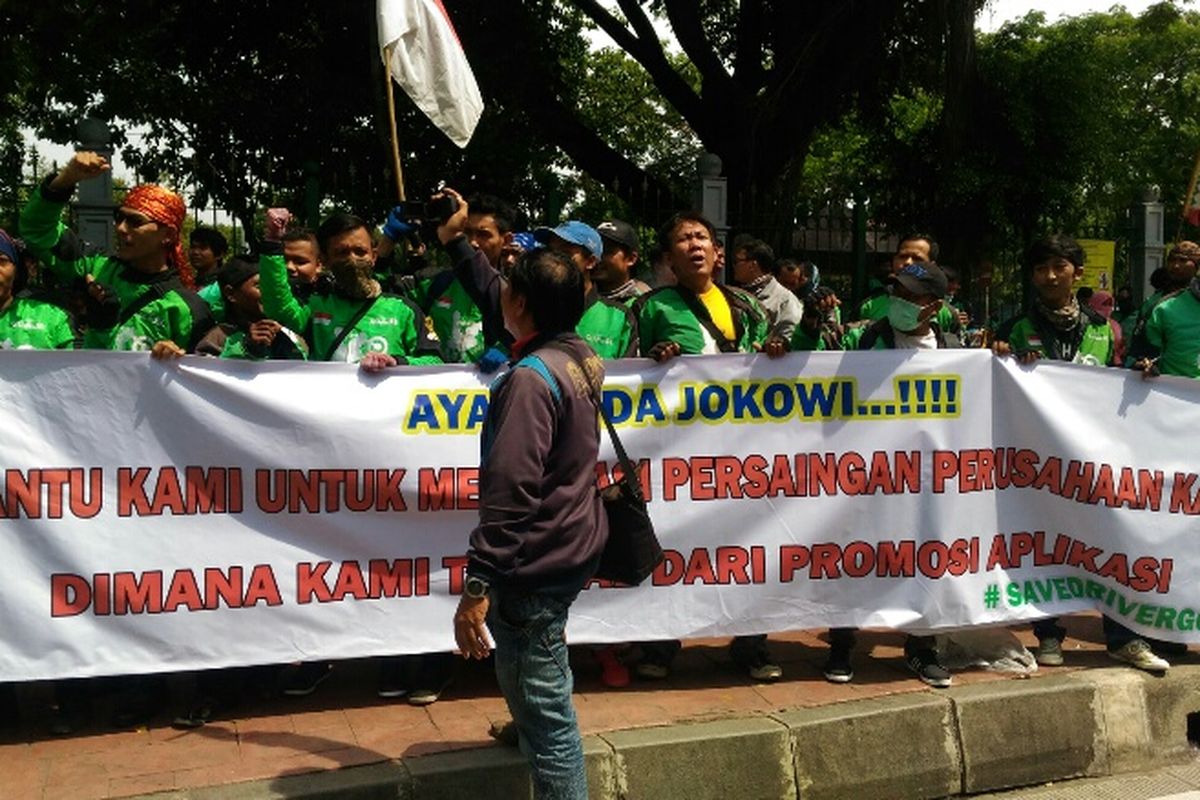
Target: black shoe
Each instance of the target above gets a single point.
(837, 666)
(132, 715)
(197, 716)
(759, 667)
(924, 662)
(306, 678)
(393, 682)
(505, 733)
(62, 721)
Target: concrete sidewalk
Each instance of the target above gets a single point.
(705, 732)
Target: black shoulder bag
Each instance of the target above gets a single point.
(632, 551)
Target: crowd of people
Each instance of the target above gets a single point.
(343, 293)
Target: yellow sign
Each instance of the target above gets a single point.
(1100, 257)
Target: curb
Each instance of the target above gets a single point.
(962, 740)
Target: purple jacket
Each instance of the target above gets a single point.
(541, 523)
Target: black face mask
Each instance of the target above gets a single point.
(354, 277)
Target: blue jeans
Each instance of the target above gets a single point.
(535, 678)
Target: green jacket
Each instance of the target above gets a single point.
(211, 294)
(34, 325)
(610, 327)
(456, 319)
(393, 324)
(676, 314)
(229, 341)
(1174, 332)
(1092, 342)
(173, 312)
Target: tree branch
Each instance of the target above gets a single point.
(748, 61)
(647, 51)
(689, 30)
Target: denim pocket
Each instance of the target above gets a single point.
(526, 611)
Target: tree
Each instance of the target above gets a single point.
(758, 80)
(246, 103)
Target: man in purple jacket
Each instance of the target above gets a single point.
(541, 522)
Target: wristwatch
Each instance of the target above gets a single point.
(476, 587)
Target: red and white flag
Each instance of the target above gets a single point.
(419, 44)
(1191, 205)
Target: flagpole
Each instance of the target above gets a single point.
(391, 104)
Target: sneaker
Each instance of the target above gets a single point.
(196, 717)
(1137, 653)
(424, 697)
(924, 662)
(653, 666)
(613, 673)
(760, 668)
(837, 666)
(305, 679)
(1049, 652)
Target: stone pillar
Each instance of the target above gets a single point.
(710, 197)
(93, 207)
(1147, 250)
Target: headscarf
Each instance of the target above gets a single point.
(9, 247)
(163, 205)
(1102, 303)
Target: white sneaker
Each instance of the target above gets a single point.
(1137, 653)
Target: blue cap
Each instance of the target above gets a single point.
(575, 232)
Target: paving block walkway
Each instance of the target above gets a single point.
(344, 724)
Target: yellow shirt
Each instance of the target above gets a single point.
(718, 309)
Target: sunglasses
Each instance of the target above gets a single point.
(130, 220)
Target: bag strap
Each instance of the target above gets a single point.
(622, 456)
(156, 292)
(349, 326)
(438, 284)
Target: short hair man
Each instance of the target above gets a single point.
(541, 524)
(697, 315)
(1059, 327)
(355, 322)
(753, 267)
(608, 327)
(1172, 333)
(693, 317)
(914, 248)
(206, 252)
(246, 332)
(613, 275)
(1175, 277)
(142, 295)
(917, 290)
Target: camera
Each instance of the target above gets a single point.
(437, 210)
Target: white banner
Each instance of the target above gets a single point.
(209, 513)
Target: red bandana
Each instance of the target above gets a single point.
(162, 205)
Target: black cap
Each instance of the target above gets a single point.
(618, 232)
(922, 278)
(237, 271)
